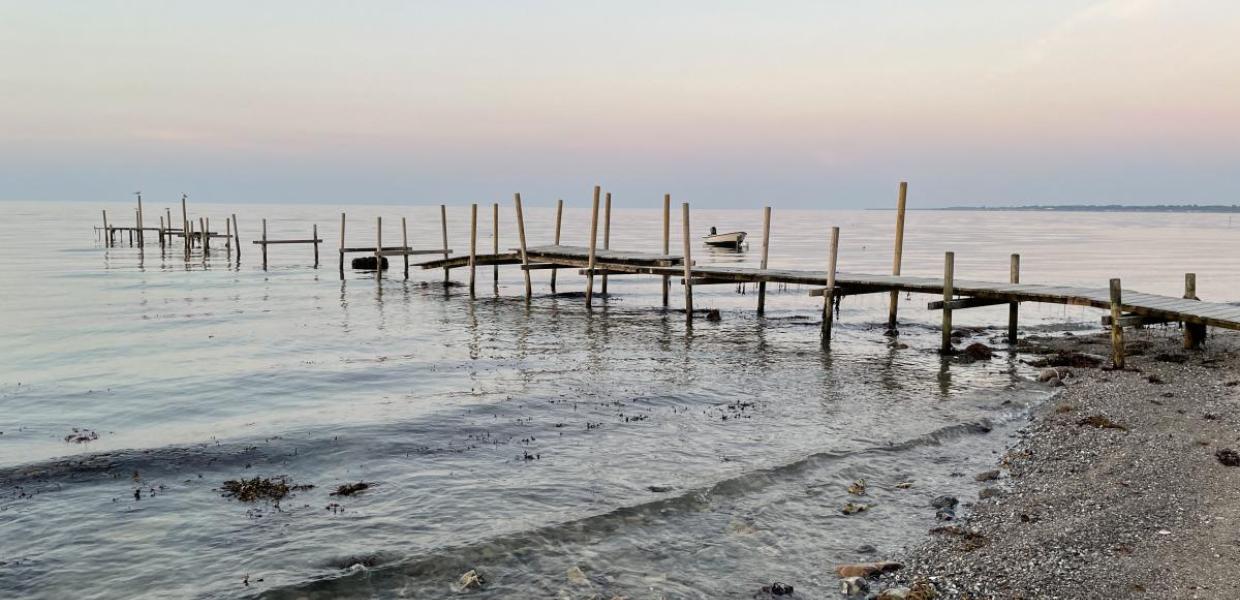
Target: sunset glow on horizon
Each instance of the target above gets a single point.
(801, 104)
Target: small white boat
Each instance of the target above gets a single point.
(732, 239)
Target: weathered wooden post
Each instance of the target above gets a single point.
(525, 258)
(443, 219)
(1194, 333)
(495, 245)
(227, 238)
(168, 226)
(1014, 307)
(314, 233)
(404, 243)
(236, 237)
(141, 232)
(185, 225)
(1117, 327)
(897, 257)
(559, 215)
(593, 244)
(828, 295)
(606, 235)
(206, 236)
(161, 232)
(342, 245)
(473, 246)
(688, 264)
(949, 274)
(667, 248)
(107, 232)
(264, 244)
(378, 249)
(766, 245)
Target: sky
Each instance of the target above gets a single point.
(799, 104)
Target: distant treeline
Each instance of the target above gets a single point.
(1166, 208)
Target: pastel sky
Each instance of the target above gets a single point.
(791, 103)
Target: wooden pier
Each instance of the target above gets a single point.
(1127, 308)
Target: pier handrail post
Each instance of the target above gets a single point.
(404, 243)
(495, 245)
(593, 245)
(314, 235)
(1013, 307)
(1117, 327)
(606, 234)
(688, 264)
(897, 257)
(237, 237)
(185, 225)
(828, 296)
(1194, 333)
(525, 257)
(264, 244)
(559, 215)
(949, 274)
(473, 246)
(766, 246)
(443, 219)
(667, 248)
(342, 246)
(378, 249)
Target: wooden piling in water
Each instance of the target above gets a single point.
(1013, 307)
(897, 257)
(667, 233)
(593, 244)
(185, 225)
(341, 245)
(766, 245)
(525, 258)
(473, 246)
(264, 244)
(443, 219)
(168, 225)
(236, 232)
(404, 242)
(1117, 327)
(1194, 333)
(141, 233)
(495, 245)
(107, 233)
(206, 236)
(559, 214)
(314, 235)
(949, 274)
(688, 263)
(828, 295)
(606, 235)
(378, 249)
(161, 232)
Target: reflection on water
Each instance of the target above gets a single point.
(522, 440)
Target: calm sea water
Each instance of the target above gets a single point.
(560, 452)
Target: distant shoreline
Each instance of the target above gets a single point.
(1157, 208)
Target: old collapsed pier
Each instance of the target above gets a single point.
(1126, 308)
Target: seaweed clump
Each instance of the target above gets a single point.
(348, 489)
(261, 488)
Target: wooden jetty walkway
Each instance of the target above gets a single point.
(1127, 308)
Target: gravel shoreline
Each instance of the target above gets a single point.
(1114, 490)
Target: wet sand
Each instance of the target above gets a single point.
(1116, 489)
